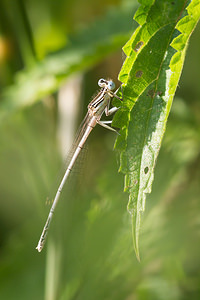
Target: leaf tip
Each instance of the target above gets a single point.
(135, 234)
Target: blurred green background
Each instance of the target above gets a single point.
(89, 252)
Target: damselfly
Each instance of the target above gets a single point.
(96, 108)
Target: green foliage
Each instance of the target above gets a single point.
(88, 254)
(155, 56)
(86, 48)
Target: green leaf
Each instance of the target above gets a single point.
(155, 56)
(84, 49)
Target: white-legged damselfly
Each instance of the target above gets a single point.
(96, 108)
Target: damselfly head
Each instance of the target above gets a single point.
(106, 83)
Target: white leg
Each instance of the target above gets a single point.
(107, 122)
(106, 126)
(111, 111)
(121, 92)
(114, 94)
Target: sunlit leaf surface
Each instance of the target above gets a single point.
(150, 75)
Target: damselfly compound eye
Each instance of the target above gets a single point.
(106, 83)
(102, 82)
(111, 85)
